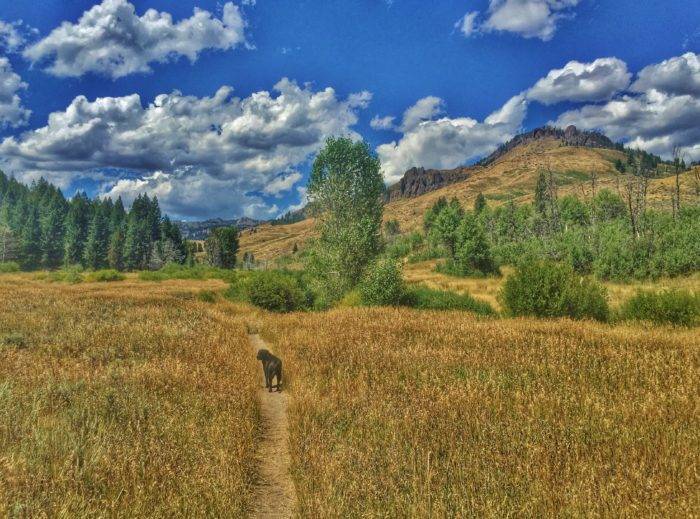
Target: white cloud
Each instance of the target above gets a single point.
(448, 143)
(282, 183)
(12, 113)
(526, 18)
(11, 37)
(596, 81)
(112, 40)
(303, 199)
(197, 195)
(221, 141)
(467, 24)
(382, 123)
(678, 75)
(653, 121)
(425, 109)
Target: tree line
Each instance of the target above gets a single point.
(40, 228)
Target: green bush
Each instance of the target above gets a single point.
(9, 266)
(207, 296)
(104, 276)
(276, 291)
(678, 307)
(430, 252)
(428, 299)
(382, 284)
(547, 289)
(177, 271)
(71, 274)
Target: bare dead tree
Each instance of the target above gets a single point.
(678, 156)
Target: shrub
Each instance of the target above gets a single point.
(275, 291)
(9, 266)
(207, 296)
(547, 289)
(382, 284)
(473, 253)
(103, 276)
(428, 299)
(71, 274)
(678, 307)
(428, 253)
(177, 271)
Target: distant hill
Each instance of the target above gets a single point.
(201, 229)
(510, 173)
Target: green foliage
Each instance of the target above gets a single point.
(177, 271)
(275, 291)
(677, 307)
(382, 284)
(9, 266)
(221, 247)
(345, 193)
(443, 230)
(207, 296)
(104, 276)
(428, 299)
(608, 206)
(473, 251)
(479, 203)
(429, 252)
(548, 289)
(573, 211)
(432, 212)
(404, 245)
(72, 274)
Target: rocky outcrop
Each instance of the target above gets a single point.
(417, 181)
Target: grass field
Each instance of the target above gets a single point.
(405, 414)
(125, 399)
(137, 399)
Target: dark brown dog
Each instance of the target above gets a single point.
(272, 367)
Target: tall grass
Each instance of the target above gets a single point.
(401, 413)
(124, 400)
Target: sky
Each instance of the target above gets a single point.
(218, 107)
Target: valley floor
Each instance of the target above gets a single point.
(137, 398)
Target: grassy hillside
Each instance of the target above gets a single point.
(513, 176)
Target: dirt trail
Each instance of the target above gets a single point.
(275, 496)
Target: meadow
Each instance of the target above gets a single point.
(123, 399)
(137, 398)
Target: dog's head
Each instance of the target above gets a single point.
(263, 354)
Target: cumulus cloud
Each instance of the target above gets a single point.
(219, 142)
(424, 110)
(382, 123)
(11, 35)
(526, 18)
(450, 142)
(12, 113)
(579, 82)
(112, 40)
(653, 121)
(679, 75)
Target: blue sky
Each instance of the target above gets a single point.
(458, 78)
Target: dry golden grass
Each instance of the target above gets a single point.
(125, 399)
(486, 289)
(400, 413)
(513, 176)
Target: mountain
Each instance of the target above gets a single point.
(201, 229)
(576, 159)
(418, 181)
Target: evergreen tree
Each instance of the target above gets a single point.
(221, 247)
(30, 237)
(97, 243)
(76, 229)
(542, 194)
(52, 233)
(139, 231)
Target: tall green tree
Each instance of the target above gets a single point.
(76, 229)
(97, 243)
(444, 227)
(345, 192)
(473, 252)
(221, 247)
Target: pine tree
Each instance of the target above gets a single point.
(30, 237)
(479, 203)
(52, 233)
(76, 229)
(221, 247)
(97, 243)
(542, 194)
